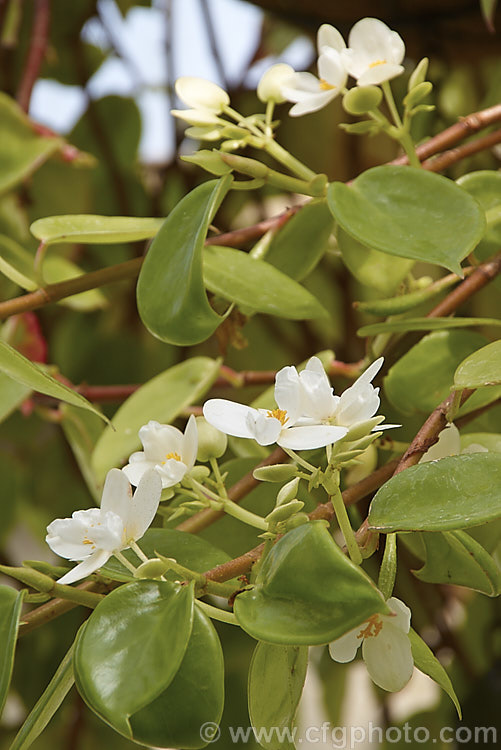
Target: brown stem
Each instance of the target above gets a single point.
(36, 52)
(53, 609)
(446, 158)
(239, 237)
(480, 277)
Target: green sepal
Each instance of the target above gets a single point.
(426, 661)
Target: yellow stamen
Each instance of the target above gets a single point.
(175, 456)
(373, 628)
(376, 63)
(325, 86)
(88, 541)
(279, 414)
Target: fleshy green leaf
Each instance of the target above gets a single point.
(485, 187)
(410, 213)
(162, 398)
(56, 268)
(187, 549)
(452, 493)
(425, 324)
(300, 244)
(22, 151)
(455, 557)
(171, 296)
(82, 430)
(193, 700)
(371, 267)
(10, 611)
(90, 229)
(276, 679)
(255, 284)
(17, 367)
(427, 662)
(482, 368)
(17, 263)
(307, 592)
(131, 648)
(12, 395)
(47, 704)
(422, 378)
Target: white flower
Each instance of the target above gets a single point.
(386, 648)
(329, 37)
(167, 450)
(284, 425)
(269, 87)
(93, 535)
(374, 53)
(357, 404)
(202, 95)
(311, 93)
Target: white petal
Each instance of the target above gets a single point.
(314, 436)
(319, 401)
(328, 36)
(370, 373)
(204, 134)
(85, 568)
(388, 658)
(117, 493)
(266, 429)
(300, 84)
(189, 443)
(143, 505)
(201, 94)
(288, 392)
(312, 103)
(135, 469)
(380, 73)
(230, 417)
(376, 40)
(159, 439)
(171, 472)
(197, 117)
(331, 69)
(402, 618)
(344, 649)
(449, 444)
(270, 86)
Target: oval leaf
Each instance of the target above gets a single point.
(425, 324)
(427, 662)
(17, 264)
(481, 368)
(194, 698)
(132, 647)
(22, 370)
(455, 557)
(11, 602)
(410, 213)
(90, 229)
(307, 592)
(276, 679)
(162, 398)
(12, 395)
(300, 244)
(171, 296)
(452, 493)
(256, 284)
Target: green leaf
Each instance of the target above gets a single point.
(300, 244)
(489, 440)
(17, 264)
(17, 367)
(193, 699)
(410, 213)
(452, 493)
(482, 368)
(422, 378)
(187, 549)
(488, 11)
(256, 284)
(11, 602)
(171, 296)
(455, 557)
(131, 648)
(12, 395)
(162, 398)
(425, 324)
(91, 229)
(82, 430)
(47, 705)
(427, 662)
(276, 679)
(307, 592)
(56, 268)
(22, 151)
(371, 267)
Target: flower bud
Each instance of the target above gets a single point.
(204, 133)
(418, 75)
(362, 99)
(361, 429)
(417, 94)
(199, 473)
(211, 441)
(365, 464)
(269, 88)
(200, 117)
(275, 473)
(288, 492)
(208, 160)
(201, 94)
(298, 519)
(283, 512)
(153, 568)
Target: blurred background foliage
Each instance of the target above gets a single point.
(97, 339)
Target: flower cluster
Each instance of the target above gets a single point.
(308, 414)
(374, 55)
